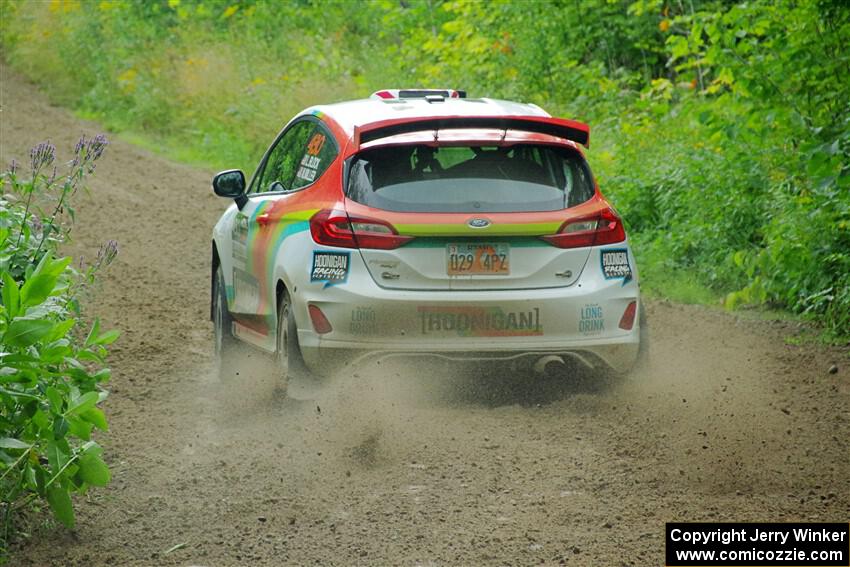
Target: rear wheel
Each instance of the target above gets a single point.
(226, 345)
(288, 354)
(642, 362)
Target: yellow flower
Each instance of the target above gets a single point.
(664, 25)
(64, 5)
(127, 80)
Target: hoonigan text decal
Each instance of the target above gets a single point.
(470, 321)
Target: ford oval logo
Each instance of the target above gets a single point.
(478, 223)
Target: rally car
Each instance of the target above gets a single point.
(424, 223)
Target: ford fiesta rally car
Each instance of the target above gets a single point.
(424, 223)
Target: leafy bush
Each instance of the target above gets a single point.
(51, 374)
(742, 176)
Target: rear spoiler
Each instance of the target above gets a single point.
(569, 129)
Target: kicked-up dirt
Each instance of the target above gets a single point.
(396, 465)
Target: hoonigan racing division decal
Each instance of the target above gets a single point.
(468, 321)
(330, 267)
(615, 265)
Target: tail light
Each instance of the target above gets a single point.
(320, 322)
(627, 321)
(335, 228)
(604, 227)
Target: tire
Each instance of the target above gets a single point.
(288, 361)
(226, 345)
(642, 363)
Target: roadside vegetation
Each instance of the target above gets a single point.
(720, 129)
(52, 368)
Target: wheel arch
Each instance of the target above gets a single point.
(280, 289)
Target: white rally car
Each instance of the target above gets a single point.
(422, 222)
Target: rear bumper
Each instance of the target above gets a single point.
(579, 321)
(619, 357)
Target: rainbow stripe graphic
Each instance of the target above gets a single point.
(264, 242)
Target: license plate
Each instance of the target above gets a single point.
(485, 259)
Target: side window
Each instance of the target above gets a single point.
(298, 158)
(579, 187)
(283, 159)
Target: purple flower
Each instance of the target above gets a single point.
(88, 151)
(107, 253)
(13, 166)
(42, 155)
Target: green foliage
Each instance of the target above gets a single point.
(51, 375)
(721, 128)
(750, 186)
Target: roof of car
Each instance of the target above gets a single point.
(357, 113)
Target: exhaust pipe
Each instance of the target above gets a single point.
(550, 362)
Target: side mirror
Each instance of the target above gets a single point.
(229, 183)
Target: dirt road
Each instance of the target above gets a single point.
(401, 466)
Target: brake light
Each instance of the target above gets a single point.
(320, 322)
(602, 228)
(335, 228)
(627, 321)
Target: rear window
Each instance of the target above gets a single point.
(469, 179)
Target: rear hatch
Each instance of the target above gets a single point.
(483, 215)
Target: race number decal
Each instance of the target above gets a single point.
(615, 265)
(330, 267)
(316, 144)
